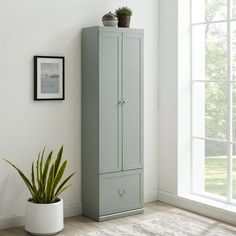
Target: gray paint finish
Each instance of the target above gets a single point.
(90, 117)
(120, 191)
(109, 97)
(133, 95)
(112, 131)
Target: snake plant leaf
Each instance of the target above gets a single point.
(41, 166)
(58, 160)
(63, 183)
(58, 176)
(25, 179)
(46, 167)
(32, 174)
(44, 175)
(62, 190)
(37, 164)
(49, 183)
(38, 175)
(37, 198)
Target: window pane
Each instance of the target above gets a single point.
(209, 109)
(208, 10)
(198, 52)
(210, 167)
(234, 111)
(209, 52)
(215, 10)
(216, 168)
(216, 110)
(216, 51)
(198, 11)
(233, 9)
(198, 162)
(233, 38)
(198, 116)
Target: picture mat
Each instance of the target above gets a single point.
(50, 94)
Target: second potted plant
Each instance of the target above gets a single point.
(44, 210)
(124, 15)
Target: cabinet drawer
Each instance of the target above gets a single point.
(121, 191)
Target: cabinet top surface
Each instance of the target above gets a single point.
(114, 29)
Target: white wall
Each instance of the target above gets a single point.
(53, 27)
(168, 96)
(174, 159)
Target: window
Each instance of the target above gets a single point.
(213, 70)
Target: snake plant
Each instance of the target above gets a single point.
(45, 184)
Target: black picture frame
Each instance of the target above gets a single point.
(49, 78)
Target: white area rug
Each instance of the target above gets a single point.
(174, 224)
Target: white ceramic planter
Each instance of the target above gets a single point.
(44, 219)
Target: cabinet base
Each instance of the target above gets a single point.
(121, 214)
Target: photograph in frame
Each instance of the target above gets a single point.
(48, 78)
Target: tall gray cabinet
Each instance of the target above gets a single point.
(112, 122)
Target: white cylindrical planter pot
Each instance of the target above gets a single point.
(44, 219)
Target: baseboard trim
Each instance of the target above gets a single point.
(218, 213)
(72, 210)
(12, 222)
(69, 211)
(151, 197)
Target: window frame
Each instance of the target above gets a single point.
(229, 119)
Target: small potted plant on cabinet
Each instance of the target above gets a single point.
(123, 14)
(44, 209)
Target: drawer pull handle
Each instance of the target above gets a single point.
(121, 192)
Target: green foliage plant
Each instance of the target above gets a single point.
(45, 184)
(123, 11)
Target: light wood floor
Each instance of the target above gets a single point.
(78, 225)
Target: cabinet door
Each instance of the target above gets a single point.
(122, 191)
(133, 98)
(109, 96)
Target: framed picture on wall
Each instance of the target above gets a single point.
(49, 78)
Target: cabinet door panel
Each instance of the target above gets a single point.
(121, 191)
(133, 97)
(109, 108)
